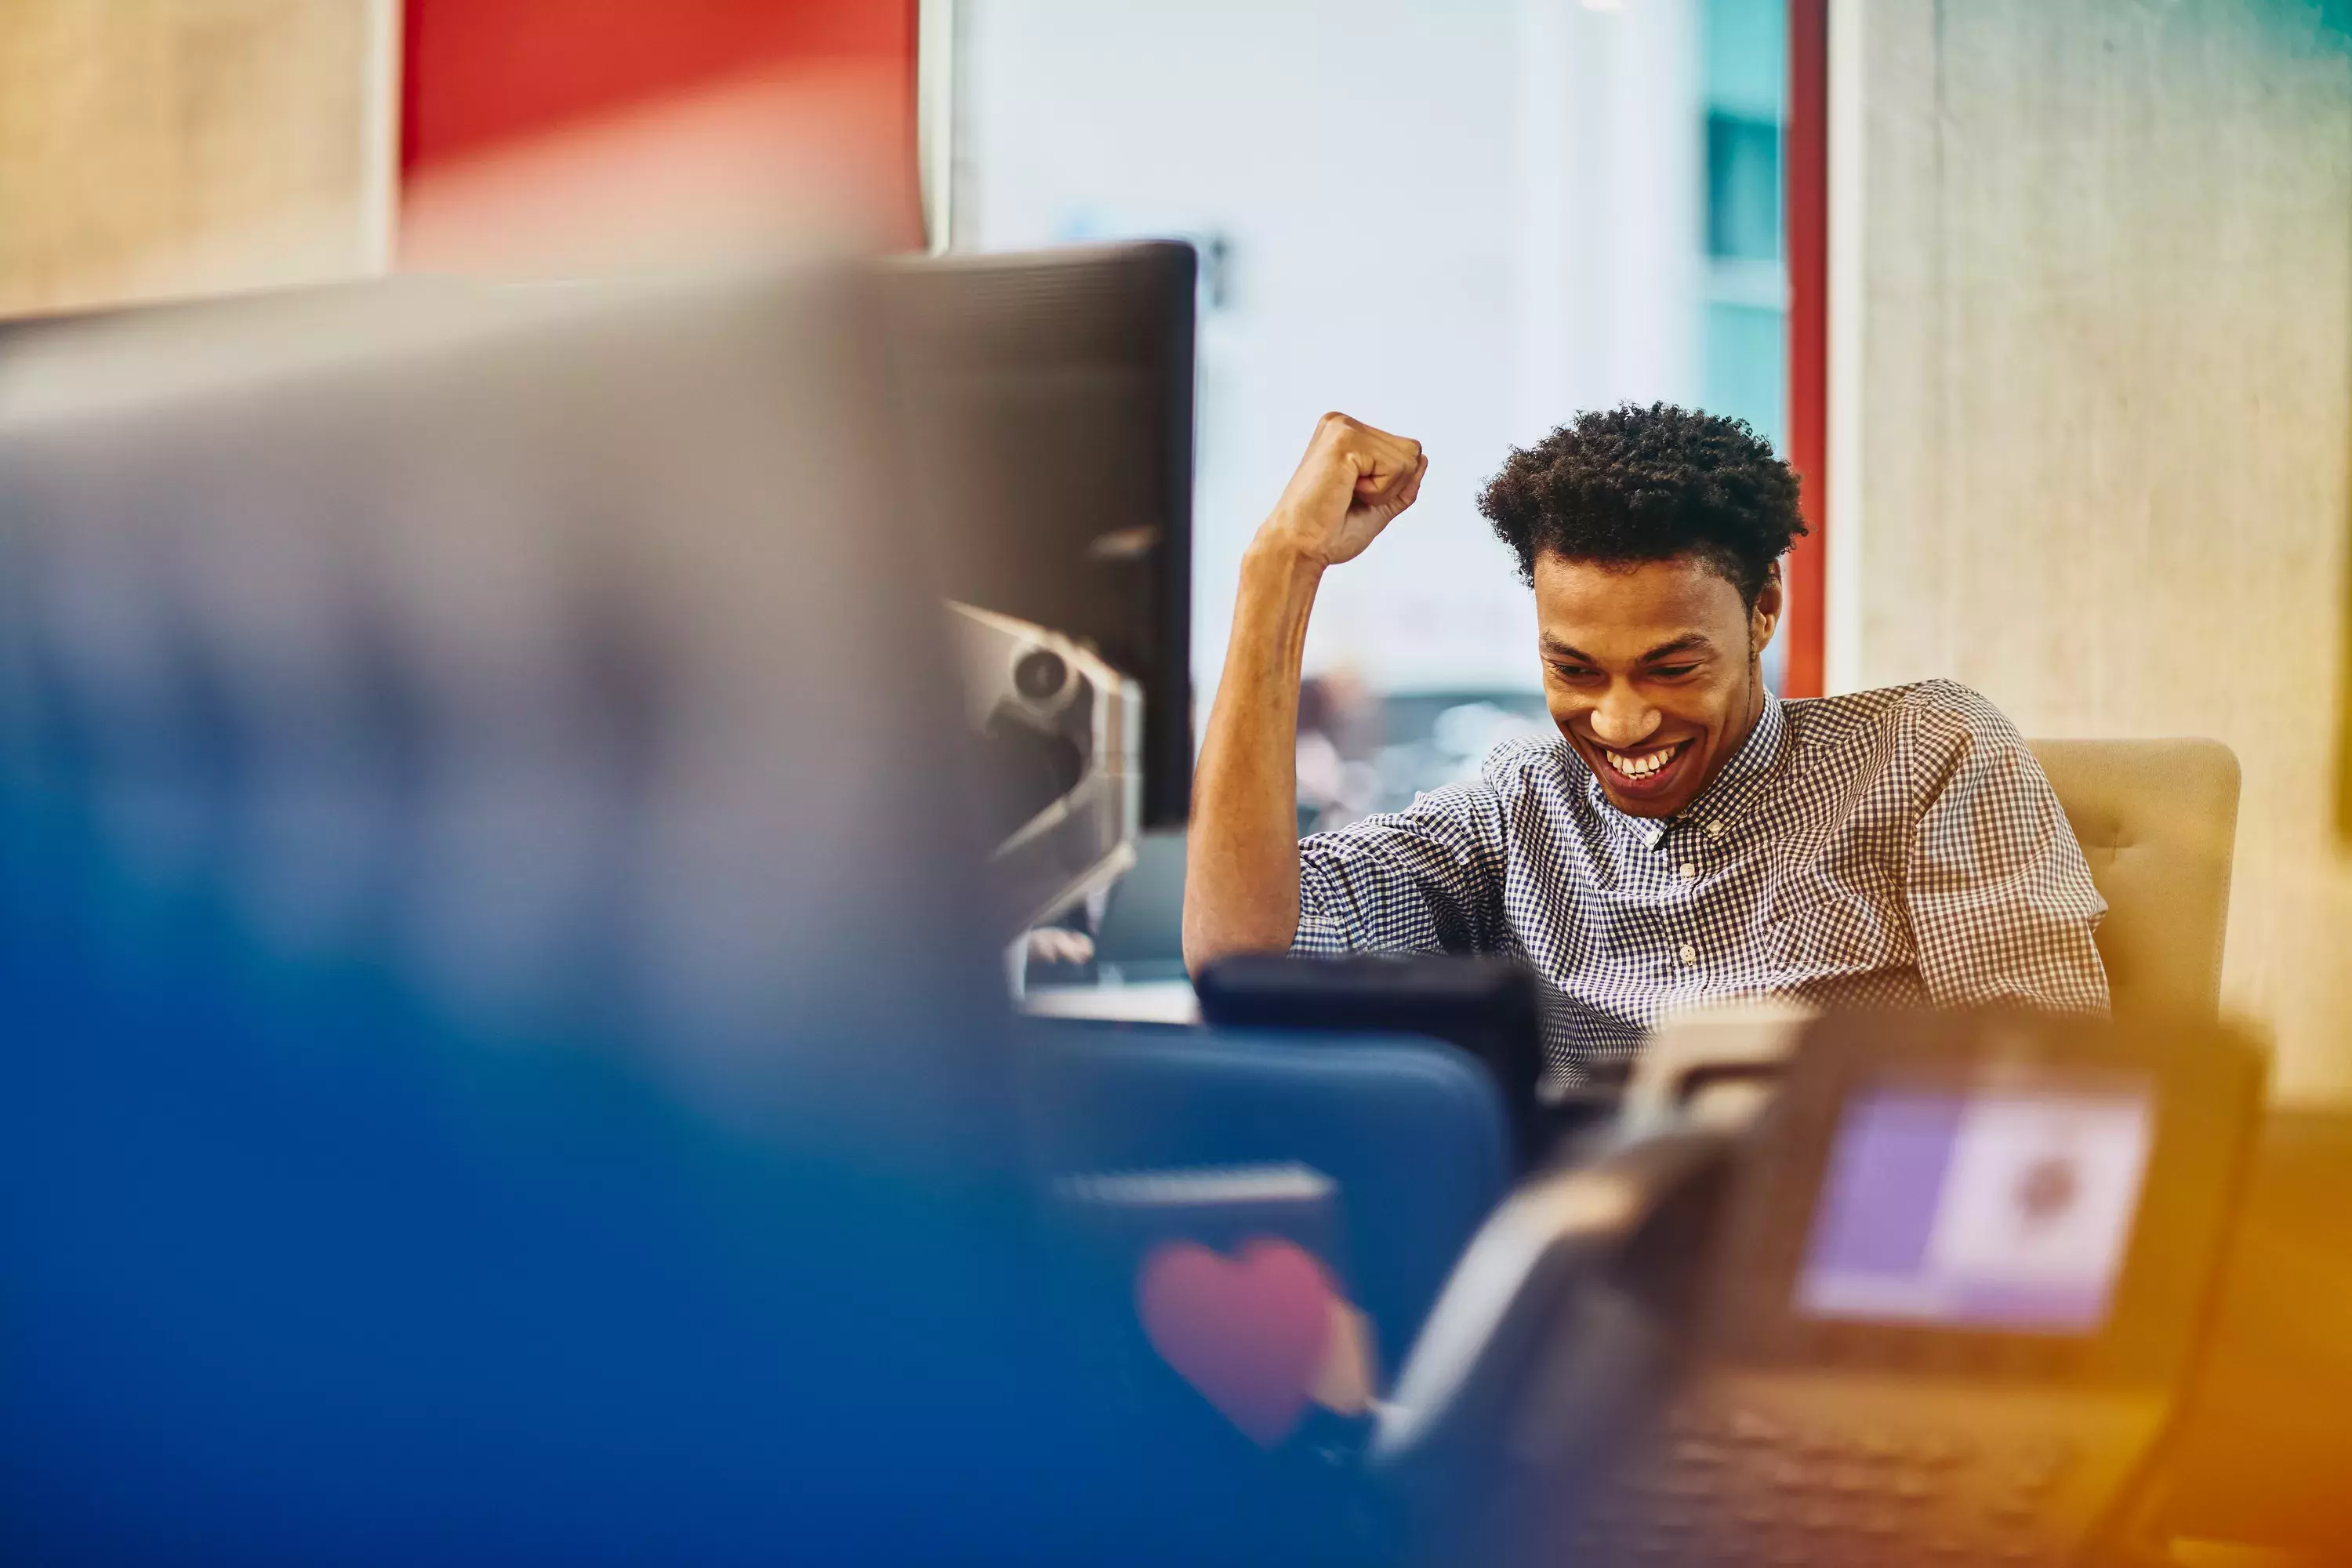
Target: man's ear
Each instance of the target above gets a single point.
(1765, 619)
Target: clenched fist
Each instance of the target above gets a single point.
(1352, 484)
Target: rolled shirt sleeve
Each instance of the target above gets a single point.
(1426, 879)
(2001, 904)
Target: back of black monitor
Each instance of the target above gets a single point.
(1490, 1007)
(1048, 408)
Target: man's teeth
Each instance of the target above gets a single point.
(1641, 766)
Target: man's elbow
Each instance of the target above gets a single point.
(1208, 939)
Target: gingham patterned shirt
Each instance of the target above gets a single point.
(1889, 848)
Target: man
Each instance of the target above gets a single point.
(1689, 836)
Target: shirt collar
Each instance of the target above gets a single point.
(1754, 758)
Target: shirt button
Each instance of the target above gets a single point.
(1714, 829)
(1688, 872)
(1690, 953)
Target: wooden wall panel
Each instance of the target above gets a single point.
(2105, 412)
(154, 148)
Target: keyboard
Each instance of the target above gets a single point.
(1823, 1473)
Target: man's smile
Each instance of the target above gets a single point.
(1645, 773)
(1642, 764)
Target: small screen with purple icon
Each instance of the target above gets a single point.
(1993, 1208)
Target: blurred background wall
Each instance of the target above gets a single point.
(150, 148)
(549, 132)
(153, 149)
(2092, 266)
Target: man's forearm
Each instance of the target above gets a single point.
(1240, 887)
(1241, 867)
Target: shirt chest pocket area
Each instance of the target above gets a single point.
(1817, 932)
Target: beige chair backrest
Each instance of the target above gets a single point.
(2158, 821)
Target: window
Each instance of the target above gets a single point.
(1463, 222)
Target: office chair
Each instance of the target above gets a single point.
(2157, 822)
(1411, 1129)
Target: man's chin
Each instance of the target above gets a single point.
(1641, 807)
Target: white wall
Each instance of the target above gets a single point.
(1459, 221)
(2093, 421)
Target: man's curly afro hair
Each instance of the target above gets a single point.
(1636, 484)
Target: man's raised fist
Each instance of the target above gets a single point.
(1352, 482)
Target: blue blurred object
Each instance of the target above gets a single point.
(497, 1061)
(1412, 1130)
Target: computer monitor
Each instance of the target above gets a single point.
(499, 1057)
(1048, 398)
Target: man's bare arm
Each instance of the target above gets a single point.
(1241, 874)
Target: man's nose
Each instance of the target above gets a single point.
(1623, 719)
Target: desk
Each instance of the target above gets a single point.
(1142, 1002)
(2265, 1439)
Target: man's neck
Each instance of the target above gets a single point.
(1754, 707)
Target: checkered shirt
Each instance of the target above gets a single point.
(1888, 848)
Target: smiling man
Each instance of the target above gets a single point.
(1689, 837)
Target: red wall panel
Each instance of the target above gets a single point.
(481, 78)
(1808, 209)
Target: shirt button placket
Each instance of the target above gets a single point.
(1683, 873)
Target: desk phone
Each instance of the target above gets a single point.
(1937, 1306)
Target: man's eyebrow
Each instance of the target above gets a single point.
(1689, 642)
(1558, 649)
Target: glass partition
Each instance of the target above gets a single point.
(1461, 222)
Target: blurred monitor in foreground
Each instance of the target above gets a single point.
(1050, 404)
(550, 647)
(498, 1058)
